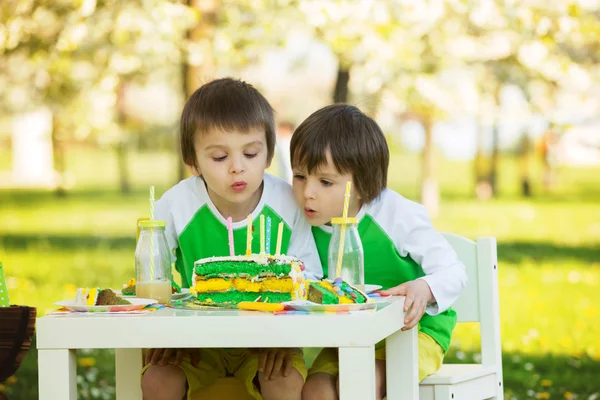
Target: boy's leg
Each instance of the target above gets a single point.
(322, 382)
(320, 386)
(281, 388)
(164, 382)
(431, 356)
(323, 377)
(181, 381)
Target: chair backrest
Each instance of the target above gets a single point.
(479, 301)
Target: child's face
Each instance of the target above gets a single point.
(321, 194)
(233, 165)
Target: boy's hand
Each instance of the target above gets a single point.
(164, 356)
(275, 362)
(418, 294)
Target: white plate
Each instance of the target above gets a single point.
(371, 288)
(136, 304)
(309, 306)
(174, 296)
(178, 296)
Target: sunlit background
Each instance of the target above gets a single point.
(491, 109)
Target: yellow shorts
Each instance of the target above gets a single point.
(431, 356)
(220, 363)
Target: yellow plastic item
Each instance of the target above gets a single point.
(257, 306)
(151, 223)
(342, 220)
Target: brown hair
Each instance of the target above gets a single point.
(227, 104)
(356, 143)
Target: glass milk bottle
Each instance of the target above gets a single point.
(353, 265)
(153, 262)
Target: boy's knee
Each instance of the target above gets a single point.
(283, 387)
(320, 386)
(163, 382)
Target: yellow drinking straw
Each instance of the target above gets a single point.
(279, 235)
(338, 269)
(262, 234)
(249, 237)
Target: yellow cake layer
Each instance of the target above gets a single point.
(244, 285)
(342, 299)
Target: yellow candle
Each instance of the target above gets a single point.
(262, 234)
(279, 237)
(249, 236)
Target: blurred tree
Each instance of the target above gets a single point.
(79, 57)
(392, 48)
(199, 64)
(534, 46)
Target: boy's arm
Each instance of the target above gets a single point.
(302, 245)
(444, 272)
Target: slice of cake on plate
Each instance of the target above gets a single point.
(98, 297)
(335, 292)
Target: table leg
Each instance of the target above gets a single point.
(57, 371)
(402, 365)
(128, 369)
(357, 373)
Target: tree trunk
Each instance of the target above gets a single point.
(59, 156)
(340, 93)
(122, 161)
(480, 175)
(122, 148)
(194, 76)
(430, 196)
(493, 178)
(524, 157)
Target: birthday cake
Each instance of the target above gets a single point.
(335, 292)
(262, 277)
(98, 297)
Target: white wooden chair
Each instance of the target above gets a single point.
(478, 303)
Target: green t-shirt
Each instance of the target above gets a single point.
(195, 229)
(400, 245)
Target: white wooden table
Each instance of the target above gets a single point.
(58, 338)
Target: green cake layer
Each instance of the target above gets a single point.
(234, 297)
(324, 293)
(320, 295)
(360, 298)
(240, 268)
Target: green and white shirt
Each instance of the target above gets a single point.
(195, 229)
(400, 245)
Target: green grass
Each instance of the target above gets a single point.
(547, 246)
